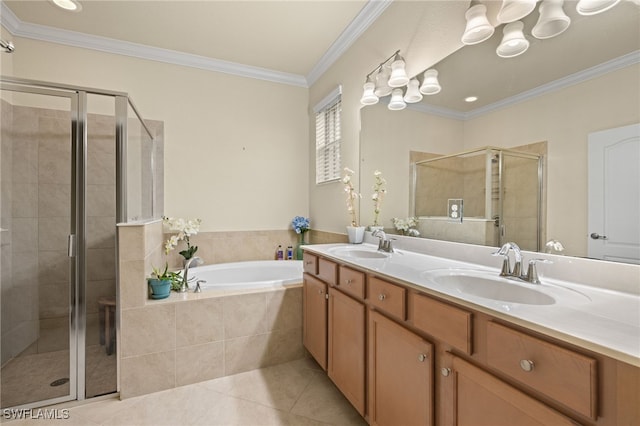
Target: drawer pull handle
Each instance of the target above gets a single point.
(349, 281)
(526, 365)
(445, 371)
(382, 296)
(308, 262)
(422, 357)
(320, 291)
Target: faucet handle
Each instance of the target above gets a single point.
(532, 272)
(198, 289)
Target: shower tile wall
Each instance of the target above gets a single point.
(474, 185)
(449, 183)
(101, 219)
(20, 327)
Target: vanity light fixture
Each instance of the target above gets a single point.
(397, 102)
(69, 5)
(513, 10)
(382, 81)
(478, 28)
(513, 42)
(368, 96)
(430, 84)
(387, 78)
(399, 77)
(413, 95)
(552, 21)
(593, 7)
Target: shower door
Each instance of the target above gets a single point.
(520, 199)
(41, 322)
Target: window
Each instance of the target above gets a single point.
(328, 137)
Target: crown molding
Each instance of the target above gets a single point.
(369, 13)
(367, 16)
(8, 19)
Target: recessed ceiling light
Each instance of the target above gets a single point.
(471, 99)
(70, 5)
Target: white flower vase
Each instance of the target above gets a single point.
(355, 234)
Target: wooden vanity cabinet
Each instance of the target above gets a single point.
(383, 342)
(400, 375)
(478, 398)
(347, 350)
(314, 314)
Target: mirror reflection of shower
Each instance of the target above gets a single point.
(7, 46)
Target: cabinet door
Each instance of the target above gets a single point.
(347, 348)
(400, 375)
(481, 399)
(314, 327)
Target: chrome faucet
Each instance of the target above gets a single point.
(194, 260)
(385, 242)
(532, 274)
(506, 267)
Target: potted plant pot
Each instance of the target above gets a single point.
(159, 289)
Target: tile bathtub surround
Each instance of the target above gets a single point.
(179, 342)
(190, 338)
(235, 246)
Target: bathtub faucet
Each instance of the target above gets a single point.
(197, 262)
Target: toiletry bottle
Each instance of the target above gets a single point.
(290, 253)
(279, 253)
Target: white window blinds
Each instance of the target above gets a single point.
(328, 137)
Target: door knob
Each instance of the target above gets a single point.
(597, 236)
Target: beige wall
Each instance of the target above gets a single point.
(235, 148)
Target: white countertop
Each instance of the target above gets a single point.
(602, 320)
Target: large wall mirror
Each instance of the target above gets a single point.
(555, 95)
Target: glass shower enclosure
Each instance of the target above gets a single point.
(486, 196)
(74, 162)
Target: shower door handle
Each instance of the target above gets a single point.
(71, 245)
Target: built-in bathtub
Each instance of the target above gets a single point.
(258, 274)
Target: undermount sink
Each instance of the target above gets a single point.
(358, 253)
(481, 284)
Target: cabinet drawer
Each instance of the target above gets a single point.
(351, 281)
(388, 297)
(566, 376)
(444, 322)
(310, 263)
(327, 271)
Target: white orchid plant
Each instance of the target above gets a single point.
(352, 195)
(379, 190)
(185, 229)
(406, 226)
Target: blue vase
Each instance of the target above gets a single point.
(159, 289)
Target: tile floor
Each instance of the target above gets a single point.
(27, 378)
(294, 393)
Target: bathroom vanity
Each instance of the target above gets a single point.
(409, 339)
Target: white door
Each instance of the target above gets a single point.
(614, 194)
